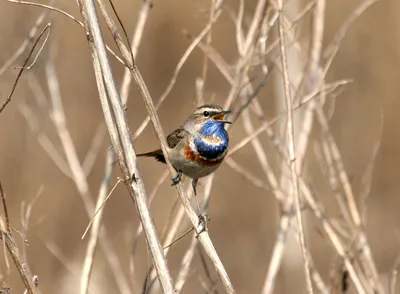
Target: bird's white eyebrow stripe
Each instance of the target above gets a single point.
(209, 110)
(209, 107)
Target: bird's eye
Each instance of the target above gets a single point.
(206, 114)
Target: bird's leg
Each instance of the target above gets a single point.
(194, 185)
(177, 178)
(202, 218)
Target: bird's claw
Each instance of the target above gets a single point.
(175, 180)
(203, 219)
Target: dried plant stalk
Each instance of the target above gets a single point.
(16, 255)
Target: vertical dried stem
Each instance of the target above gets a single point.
(92, 244)
(136, 39)
(4, 201)
(78, 173)
(291, 147)
(94, 233)
(120, 136)
(188, 258)
(15, 253)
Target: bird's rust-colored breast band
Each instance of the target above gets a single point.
(192, 156)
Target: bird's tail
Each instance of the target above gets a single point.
(157, 154)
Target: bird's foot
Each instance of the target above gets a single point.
(202, 224)
(175, 180)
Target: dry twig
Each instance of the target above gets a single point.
(19, 261)
(120, 136)
(24, 66)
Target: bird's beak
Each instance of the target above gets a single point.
(221, 117)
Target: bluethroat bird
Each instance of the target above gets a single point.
(198, 147)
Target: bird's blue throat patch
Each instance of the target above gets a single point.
(213, 140)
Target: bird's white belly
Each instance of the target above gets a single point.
(196, 171)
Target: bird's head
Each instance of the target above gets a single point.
(208, 118)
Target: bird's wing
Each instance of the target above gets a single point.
(176, 136)
(173, 140)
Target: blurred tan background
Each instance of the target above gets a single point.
(243, 217)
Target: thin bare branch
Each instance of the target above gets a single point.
(26, 41)
(5, 209)
(15, 253)
(104, 197)
(50, 7)
(292, 151)
(44, 140)
(21, 70)
(78, 173)
(25, 218)
(94, 149)
(178, 67)
(121, 139)
(97, 218)
(136, 39)
(70, 16)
